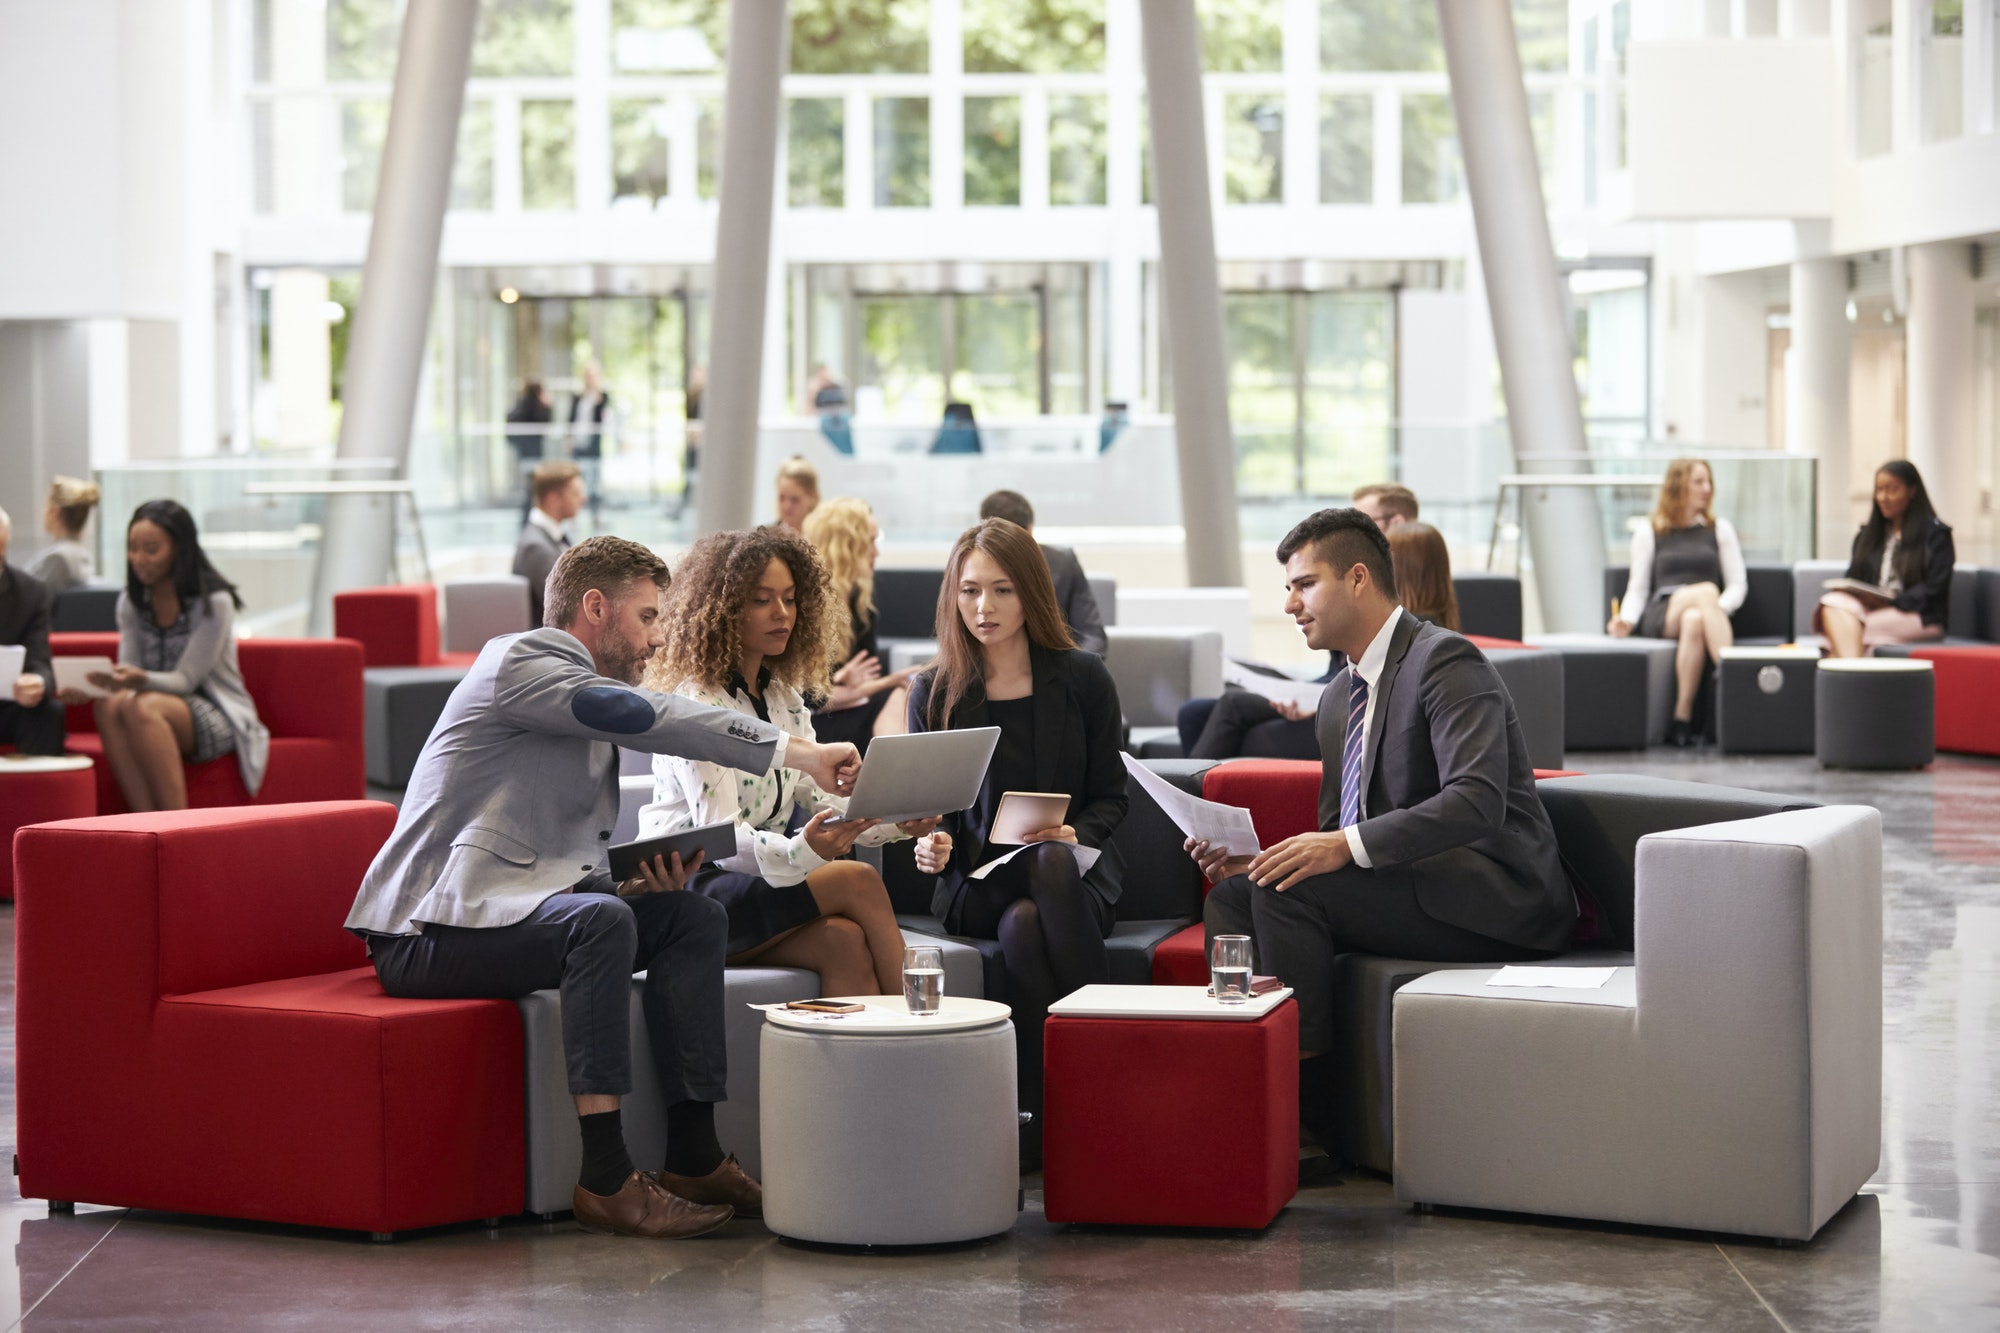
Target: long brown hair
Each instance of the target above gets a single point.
(1423, 573)
(1673, 496)
(961, 664)
(705, 606)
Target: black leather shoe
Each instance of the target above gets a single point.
(1682, 734)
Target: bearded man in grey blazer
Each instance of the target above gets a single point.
(493, 883)
(1433, 842)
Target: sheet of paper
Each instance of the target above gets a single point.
(1554, 978)
(1224, 826)
(73, 673)
(1086, 857)
(1306, 694)
(12, 658)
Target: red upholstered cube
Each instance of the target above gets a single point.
(1968, 684)
(1171, 1122)
(1282, 795)
(395, 626)
(39, 798)
(307, 691)
(196, 1032)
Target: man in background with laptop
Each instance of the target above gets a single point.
(493, 882)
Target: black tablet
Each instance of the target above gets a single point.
(718, 841)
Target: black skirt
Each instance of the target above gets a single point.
(759, 911)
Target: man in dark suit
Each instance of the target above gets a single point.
(1433, 842)
(1073, 594)
(558, 490)
(30, 717)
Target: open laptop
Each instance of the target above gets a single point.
(922, 774)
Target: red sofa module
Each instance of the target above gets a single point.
(307, 691)
(395, 626)
(196, 1033)
(1968, 686)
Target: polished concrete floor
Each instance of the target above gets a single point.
(1919, 1249)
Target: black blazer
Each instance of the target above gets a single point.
(1078, 602)
(24, 620)
(1930, 598)
(1451, 793)
(1078, 727)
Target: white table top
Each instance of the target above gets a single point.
(889, 1016)
(1165, 1002)
(42, 763)
(1885, 665)
(1771, 652)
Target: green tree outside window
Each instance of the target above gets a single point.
(992, 151)
(1241, 36)
(1253, 146)
(902, 152)
(1077, 150)
(861, 36)
(548, 155)
(640, 150)
(1346, 148)
(813, 152)
(1033, 36)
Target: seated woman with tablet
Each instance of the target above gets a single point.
(1898, 584)
(748, 628)
(1006, 659)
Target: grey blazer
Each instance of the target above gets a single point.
(516, 791)
(1078, 603)
(534, 556)
(1450, 793)
(207, 667)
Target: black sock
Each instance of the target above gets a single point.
(692, 1148)
(606, 1164)
(1317, 1113)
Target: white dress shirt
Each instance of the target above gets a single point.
(538, 517)
(1369, 668)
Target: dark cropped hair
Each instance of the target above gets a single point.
(195, 579)
(1010, 505)
(1343, 538)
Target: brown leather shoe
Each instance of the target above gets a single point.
(642, 1208)
(728, 1183)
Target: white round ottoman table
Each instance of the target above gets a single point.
(883, 1128)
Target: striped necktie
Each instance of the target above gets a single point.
(1350, 752)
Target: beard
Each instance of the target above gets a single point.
(627, 665)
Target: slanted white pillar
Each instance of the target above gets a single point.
(1942, 384)
(386, 352)
(1531, 324)
(752, 108)
(1191, 293)
(1817, 420)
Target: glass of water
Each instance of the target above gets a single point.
(1229, 968)
(923, 979)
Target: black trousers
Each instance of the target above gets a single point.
(1298, 933)
(37, 730)
(589, 942)
(1223, 730)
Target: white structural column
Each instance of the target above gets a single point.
(385, 355)
(1942, 383)
(1817, 421)
(1531, 324)
(1191, 293)
(752, 106)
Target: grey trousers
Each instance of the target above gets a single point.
(589, 942)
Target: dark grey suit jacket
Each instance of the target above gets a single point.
(24, 620)
(1450, 791)
(534, 556)
(1078, 603)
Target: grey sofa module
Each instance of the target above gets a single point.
(1104, 591)
(1764, 617)
(400, 706)
(1158, 670)
(1489, 604)
(1808, 585)
(1534, 680)
(1764, 700)
(90, 608)
(1876, 712)
(476, 610)
(1618, 694)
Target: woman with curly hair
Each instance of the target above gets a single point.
(865, 701)
(747, 628)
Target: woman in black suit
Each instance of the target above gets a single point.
(1906, 550)
(1005, 659)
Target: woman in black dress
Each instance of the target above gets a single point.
(864, 701)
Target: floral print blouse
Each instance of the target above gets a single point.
(688, 793)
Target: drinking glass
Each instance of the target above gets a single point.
(1229, 968)
(923, 979)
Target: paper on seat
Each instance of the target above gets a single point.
(1556, 978)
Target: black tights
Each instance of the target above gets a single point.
(1051, 931)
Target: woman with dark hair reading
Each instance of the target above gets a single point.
(177, 695)
(750, 627)
(1898, 584)
(1006, 659)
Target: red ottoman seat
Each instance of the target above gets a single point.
(1968, 683)
(196, 1032)
(1169, 1121)
(395, 626)
(33, 794)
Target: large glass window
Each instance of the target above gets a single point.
(1311, 389)
(361, 39)
(668, 36)
(1431, 166)
(548, 155)
(363, 126)
(1873, 81)
(1253, 148)
(641, 156)
(903, 152)
(1033, 36)
(902, 357)
(1077, 151)
(1242, 36)
(1346, 148)
(708, 147)
(1263, 391)
(861, 36)
(1399, 35)
(996, 350)
(523, 38)
(472, 163)
(813, 152)
(992, 151)
(1944, 71)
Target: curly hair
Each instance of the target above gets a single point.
(843, 531)
(704, 614)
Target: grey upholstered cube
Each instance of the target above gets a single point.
(1876, 712)
(1764, 700)
(1104, 591)
(400, 706)
(1489, 604)
(1158, 670)
(1618, 694)
(1534, 680)
(1731, 1080)
(476, 610)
